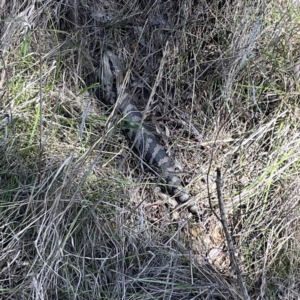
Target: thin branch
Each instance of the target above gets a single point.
(232, 254)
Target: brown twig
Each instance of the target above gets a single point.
(233, 258)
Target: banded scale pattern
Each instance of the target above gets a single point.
(145, 143)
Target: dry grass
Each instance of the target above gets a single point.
(80, 218)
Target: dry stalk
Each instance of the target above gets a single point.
(232, 254)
